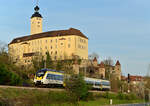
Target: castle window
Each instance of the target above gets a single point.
(68, 45)
(56, 40)
(51, 41)
(46, 41)
(55, 57)
(79, 46)
(45, 47)
(51, 47)
(56, 52)
(56, 46)
(61, 44)
(51, 52)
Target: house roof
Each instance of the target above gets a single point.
(101, 65)
(56, 33)
(135, 78)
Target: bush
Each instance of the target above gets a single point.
(8, 77)
(121, 96)
(76, 88)
(131, 96)
(109, 95)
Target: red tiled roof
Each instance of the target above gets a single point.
(101, 65)
(95, 59)
(136, 78)
(58, 33)
(123, 78)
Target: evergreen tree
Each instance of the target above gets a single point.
(76, 87)
(59, 65)
(49, 62)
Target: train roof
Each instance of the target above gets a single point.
(52, 70)
(96, 79)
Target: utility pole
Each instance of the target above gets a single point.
(128, 80)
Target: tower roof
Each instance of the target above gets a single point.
(118, 63)
(36, 13)
(95, 59)
(101, 65)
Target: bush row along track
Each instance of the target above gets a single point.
(32, 88)
(43, 89)
(136, 104)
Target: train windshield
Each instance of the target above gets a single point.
(40, 74)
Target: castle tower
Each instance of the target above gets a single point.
(95, 63)
(36, 22)
(118, 70)
(101, 70)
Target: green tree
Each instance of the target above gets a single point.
(76, 87)
(8, 77)
(38, 62)
(49, 62)
(59, 65)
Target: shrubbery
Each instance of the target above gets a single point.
(8, 77)
(76, 88)
(122, 96)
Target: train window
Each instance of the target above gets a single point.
(89, 82)
(54, 77)
(105, 83)
(40, 74)
(97, 83)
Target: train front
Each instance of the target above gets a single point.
(38, 77)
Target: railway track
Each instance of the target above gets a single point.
(42, 89)
(32, 88)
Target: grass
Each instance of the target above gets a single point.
(50, 98)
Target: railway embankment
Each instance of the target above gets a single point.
(29, 96)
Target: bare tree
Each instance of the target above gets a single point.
(93, 55)
(3, 47)
(108, 61)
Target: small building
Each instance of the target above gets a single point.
(135, 79)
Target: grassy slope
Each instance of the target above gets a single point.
(38, 98)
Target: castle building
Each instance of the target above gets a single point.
(61, 44)
(103, 70)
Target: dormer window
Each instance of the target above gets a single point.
(18, 40)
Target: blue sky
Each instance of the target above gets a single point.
(116, 28)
